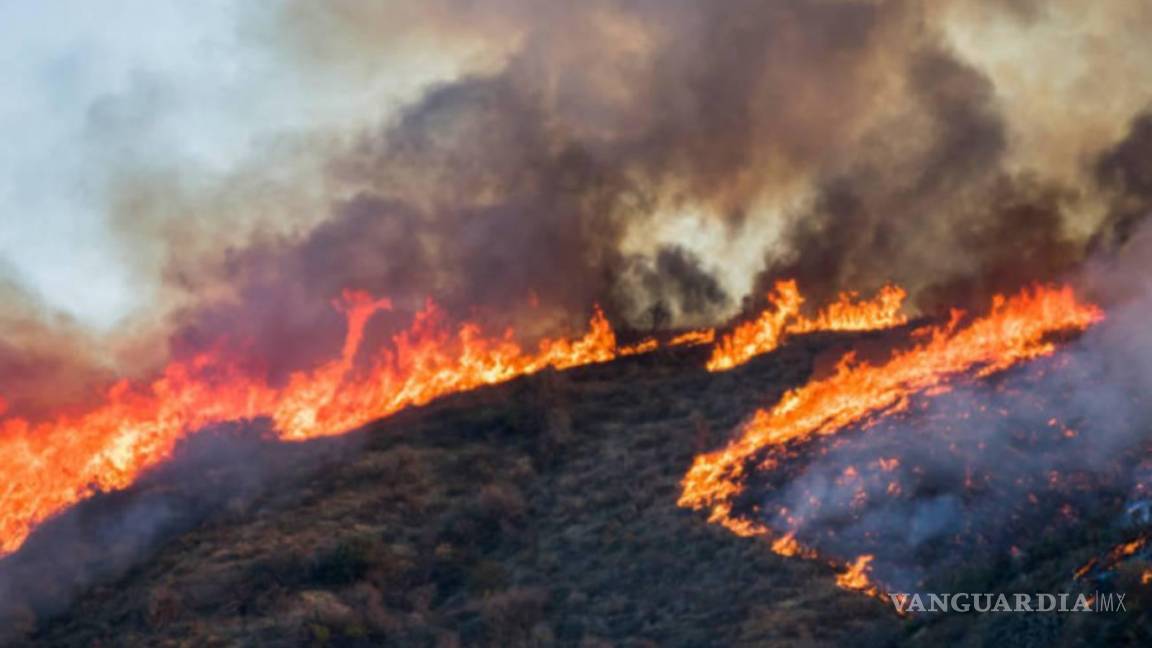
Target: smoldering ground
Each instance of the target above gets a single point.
(995, 468)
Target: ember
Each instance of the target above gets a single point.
(1015, 330)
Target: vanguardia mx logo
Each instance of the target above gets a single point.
(965, 602)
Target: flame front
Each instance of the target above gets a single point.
(782, 317)
(52, 465)
(856, 576)
(1016, 329)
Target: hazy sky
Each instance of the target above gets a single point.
(72, 72)
(91, 92)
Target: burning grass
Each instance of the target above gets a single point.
(52, 465)
(543, 511)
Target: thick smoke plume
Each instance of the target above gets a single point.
(855, 141)
(855, 129)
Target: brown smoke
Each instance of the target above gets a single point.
(47, 361)
(861, 132)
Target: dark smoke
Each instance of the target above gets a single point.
(679, 283)
(519, 186)
(1125, 172)
(932, 209)
(522, 184)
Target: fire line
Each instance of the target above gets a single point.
(49, 466)
(1015, 330)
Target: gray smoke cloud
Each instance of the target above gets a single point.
(994, 467)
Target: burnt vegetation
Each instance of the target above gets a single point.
(541, 512)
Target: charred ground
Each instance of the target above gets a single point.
(540, 512)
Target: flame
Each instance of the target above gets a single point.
(646, 345)
(1114, 557)
(51, 465)
(782, 317)
(856, 577)
(1016, 329)
(692, 338)
(787, 545)
(1129, 548)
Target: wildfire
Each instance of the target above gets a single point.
(52, 465)
(783, 317)
(1114, 557)
(856, 577)
(1016, 329)
(692, 338)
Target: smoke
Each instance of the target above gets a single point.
(932, 208)
(226, 471)
(521, 184)
(993, 468)
(47, 359)
(552, 165)
(856, 131)
(1124, 172)
(680, 287)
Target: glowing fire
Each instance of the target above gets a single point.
(692, 338)
(783, 317)
(1016, 329)
(856, 577)
(52, 465)
(49, 466)
(1114, 557)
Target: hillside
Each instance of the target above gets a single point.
(540, 512)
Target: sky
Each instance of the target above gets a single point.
(92, 93)
(71, 71)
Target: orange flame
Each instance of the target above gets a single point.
(783, 317)
(646, 345)
(692, 338)
(52, 465)
(1016, 329)
(1114, 556)
(856, 577)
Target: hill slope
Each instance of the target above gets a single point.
(536, 512)
(539, 512)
